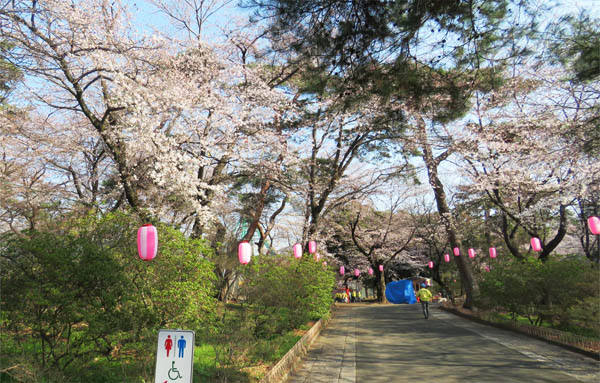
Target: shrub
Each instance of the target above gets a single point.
(77, 292)
(557, 290)
(287, 293)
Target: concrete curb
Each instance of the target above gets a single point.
(502, 326)
(281, 369)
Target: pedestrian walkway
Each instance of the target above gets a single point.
(394, 343)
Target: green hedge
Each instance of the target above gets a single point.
(286, 293)
(559, 291)
(76, 294)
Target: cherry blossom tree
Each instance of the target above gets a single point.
(361, 235)
(525, 150)
(172, 115)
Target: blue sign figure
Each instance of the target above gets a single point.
(181, 346)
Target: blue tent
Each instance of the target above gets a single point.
(400, 292)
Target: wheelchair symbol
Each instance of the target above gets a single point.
(175, 372)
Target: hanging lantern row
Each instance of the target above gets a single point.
(357, 271)
(471, 255)
(147, 242)
(535, 244)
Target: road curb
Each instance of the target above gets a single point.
(286, 364)
(501, 326)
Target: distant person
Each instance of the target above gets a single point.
(347, 295)
(353, 295)
(425, 297)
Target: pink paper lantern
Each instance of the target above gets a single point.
(492, 252)
(447, 257)
(594, 224)
(244, 252)
(147, 242)
(380, 267)
(536, 244)
(430, 264)
(312, 247)
(324, 263)
(356, 272)
(342, 270)
(297, 251)
(471, 253)
(370, 271)
(456, 251)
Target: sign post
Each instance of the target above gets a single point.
(174, 356)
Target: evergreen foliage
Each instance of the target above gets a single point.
(559, 291)
(288, 293)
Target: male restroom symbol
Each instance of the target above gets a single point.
(181, 346)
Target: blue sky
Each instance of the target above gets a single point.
(146, 14)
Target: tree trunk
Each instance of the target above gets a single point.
(548, 247)
(260, 206)
(432, 164)
(380, 286)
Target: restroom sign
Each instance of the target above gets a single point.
(174, 356)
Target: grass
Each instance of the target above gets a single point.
(204, 362)
(264, 354)
(253, 355)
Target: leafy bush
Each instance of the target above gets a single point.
(557, 290)
(78, 291)
(286, 293)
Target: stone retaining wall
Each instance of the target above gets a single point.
(563, 337)
(280, 370)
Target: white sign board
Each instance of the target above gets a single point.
(174, 356)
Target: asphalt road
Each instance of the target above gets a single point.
(394, 343)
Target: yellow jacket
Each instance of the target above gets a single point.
(424, 295)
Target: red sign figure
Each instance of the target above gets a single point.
(168, 344)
